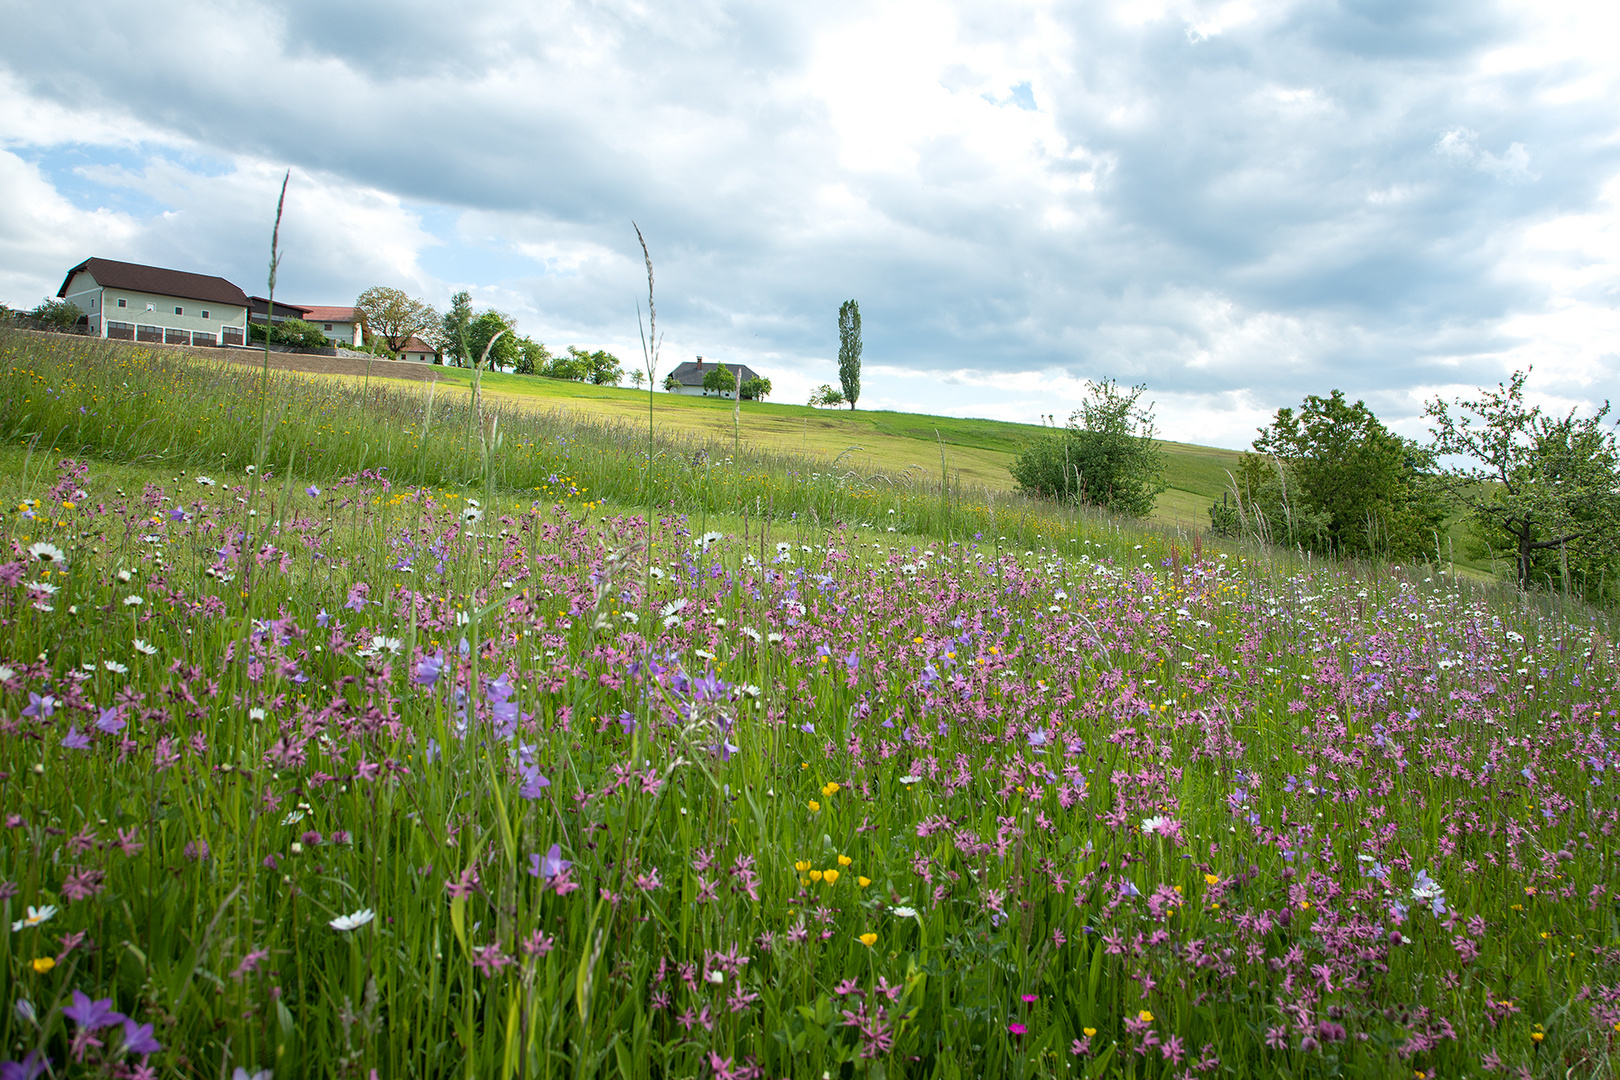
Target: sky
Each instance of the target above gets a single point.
(1235, 203)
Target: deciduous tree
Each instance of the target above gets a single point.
(1332, 478)
(1546, 487)
(394, 316)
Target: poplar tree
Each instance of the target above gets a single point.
(849, 350)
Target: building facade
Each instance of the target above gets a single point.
(135, 302)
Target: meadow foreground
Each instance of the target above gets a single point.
(368, 780)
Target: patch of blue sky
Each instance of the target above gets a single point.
(99, 176)
(1022, 95)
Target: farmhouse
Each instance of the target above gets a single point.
(687, 378)
(418, 351)
(148, 303)
(341, 325)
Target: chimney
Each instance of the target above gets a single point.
(700, 363)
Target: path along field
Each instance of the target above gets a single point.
(335, 775)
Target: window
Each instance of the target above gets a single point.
(122, 302)
(94, 303)
(328, 326)
(205, 313)
(179, 311)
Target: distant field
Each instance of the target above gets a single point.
(978, 453)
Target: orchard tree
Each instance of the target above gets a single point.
(1545, 487)
(393, 316)
(756, 389)
(849, 350)
(1105, 457)
(1332, 478)
(826, 395)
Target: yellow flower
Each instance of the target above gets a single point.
(1088, 1032)
(42, 964)
(1537, 1036)
(863, 882)
(830, 788)
(830, 876)
(815, 807)
(1212, 879)
(844, 860)
(815, 875)
(802, 865)
(868, 939)
(1145, 1017)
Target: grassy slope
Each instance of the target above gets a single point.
(977, 453)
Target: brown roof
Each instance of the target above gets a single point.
(152, 279)
(331, 314)
(416, 344)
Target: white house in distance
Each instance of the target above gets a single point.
(687, 378)
(417, 351)
(148, 303)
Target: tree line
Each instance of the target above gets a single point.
(1538, 491)
(464, 337)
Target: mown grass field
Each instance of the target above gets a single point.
(421, 749)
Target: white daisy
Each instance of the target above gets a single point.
(47, 553)
(353, 922)
(144, 649)
(34, 917)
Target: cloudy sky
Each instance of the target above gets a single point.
(1237, 203)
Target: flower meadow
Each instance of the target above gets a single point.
(350, 778)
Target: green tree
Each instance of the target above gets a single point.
(1332, 478)
(756, 389)
(451, 334)
(533, 358)
(719, 379)
(393, 316)
(484, 328)
(826, 395)
(1546, 487)
(849, 351)
(57, 314)
(1105, 456)
(600, 367)
(638, 378)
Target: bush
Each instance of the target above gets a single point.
(1105, 457)
(57, 314)
(294, 333)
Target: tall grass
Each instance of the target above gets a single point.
(115, 402)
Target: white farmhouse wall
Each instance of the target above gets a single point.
(124, 305)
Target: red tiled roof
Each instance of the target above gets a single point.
(416, 344)
(135, 277)
(331, 314)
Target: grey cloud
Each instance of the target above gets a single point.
(1326, 192)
